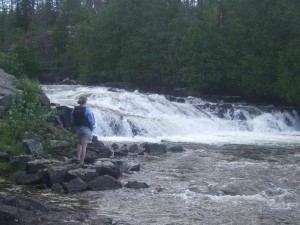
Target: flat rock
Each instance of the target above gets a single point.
(86, 175)
(33, 167)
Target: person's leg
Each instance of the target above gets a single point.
(79, 151)
(83, 153)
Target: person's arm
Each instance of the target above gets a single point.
(90, 117)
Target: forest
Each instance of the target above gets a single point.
(249, 48)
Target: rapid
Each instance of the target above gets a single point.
(134, 116)
(241, 163)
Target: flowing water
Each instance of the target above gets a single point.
(241, 164)
(134, 116)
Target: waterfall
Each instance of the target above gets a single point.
(133, 116)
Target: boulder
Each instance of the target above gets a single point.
(65, 116)
(175, 149)
(155, 148)
(91, 156)
(134, 148)
(58, 188)
(85, 174)
(25, 179)
(33, 167)
(56, 174)
(96, 142)
(99, 149)
(136, 185)
(121, 152)
(45, 101)
(103, 183)
(105, 152)
(6, 84)
(5, 102)
(107, 168)
(32, 147)
(7, 91)
(8, 218)
(74, 185)
(114, 146)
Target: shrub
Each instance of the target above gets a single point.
(10, 64)
(26, 118)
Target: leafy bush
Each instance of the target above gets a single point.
(26, 117)
(10, 64)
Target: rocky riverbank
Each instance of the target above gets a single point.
(104, 166)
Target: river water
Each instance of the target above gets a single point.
(241, 163)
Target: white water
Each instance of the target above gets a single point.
(134, 116)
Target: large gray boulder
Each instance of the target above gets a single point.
(85, 174)
(103, 183)
(74, 185)
(107, 168)
(33, 167)
(56, 174)
(7, 91)
(7, 84)
(32, 147)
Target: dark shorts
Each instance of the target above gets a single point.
(84, 136)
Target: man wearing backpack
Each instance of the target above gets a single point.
(83, 120)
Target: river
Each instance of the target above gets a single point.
(241, 163)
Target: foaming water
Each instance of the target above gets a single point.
(134, 116)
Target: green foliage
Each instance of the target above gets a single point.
(9, 171)
(26, 57)
(5, 168)
(245, 47)
(26, 118)
(11, 65)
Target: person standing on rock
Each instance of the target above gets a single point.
(83, 120)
